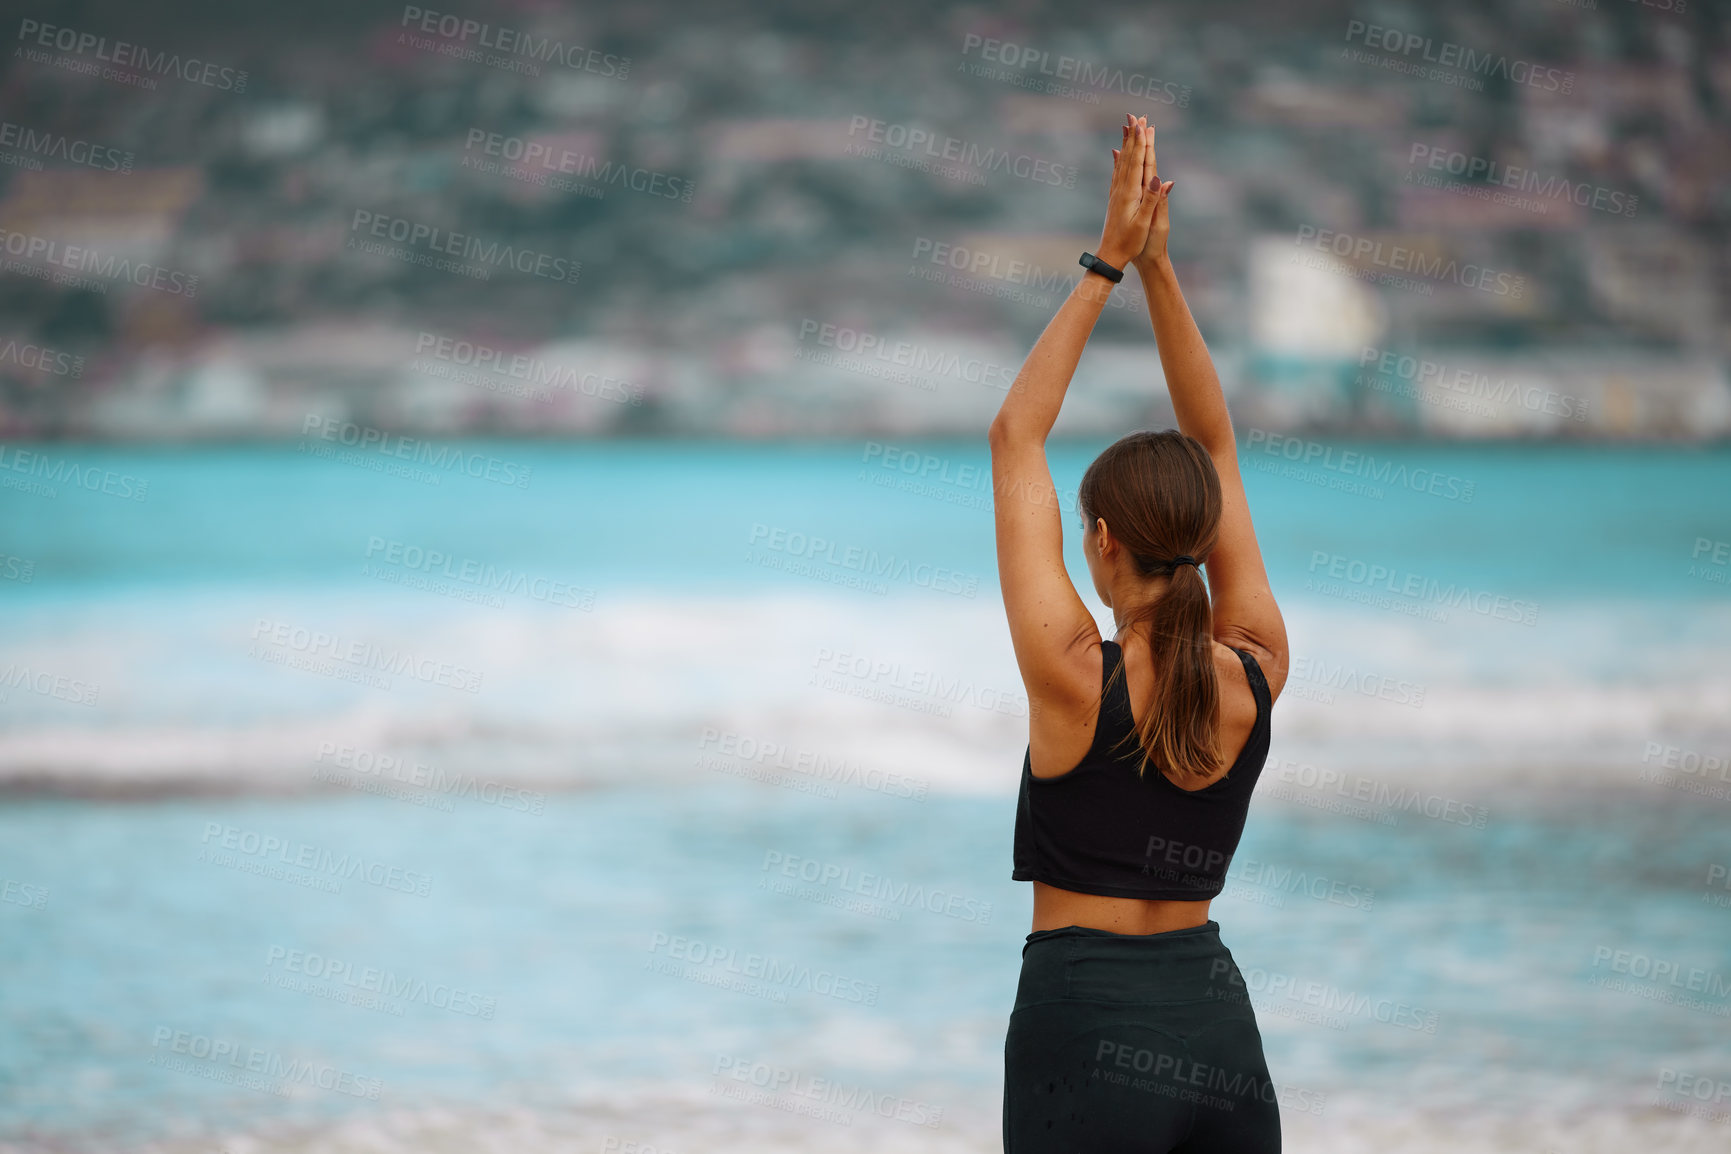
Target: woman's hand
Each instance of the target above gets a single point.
(1132, 198)
(1155, 250)
(1154, 245)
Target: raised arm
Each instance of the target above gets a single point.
(1245, 615)
(1050, 627)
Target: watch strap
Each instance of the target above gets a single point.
(1094, 264)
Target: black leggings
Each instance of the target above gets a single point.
(1135, 1044)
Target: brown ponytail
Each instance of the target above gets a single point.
(1160, 497)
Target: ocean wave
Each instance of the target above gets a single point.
(791, 691)
(695, 1120)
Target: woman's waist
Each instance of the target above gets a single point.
(1185, 965)
(1055, 908)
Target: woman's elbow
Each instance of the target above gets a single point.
(1002, 433)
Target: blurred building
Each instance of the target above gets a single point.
(722, 181)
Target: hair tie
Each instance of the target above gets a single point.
(1184, 559)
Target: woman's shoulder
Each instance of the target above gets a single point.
(1267, 664)
(1238, 697)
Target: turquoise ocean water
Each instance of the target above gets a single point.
(565, 797)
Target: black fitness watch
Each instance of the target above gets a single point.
(1094, 264)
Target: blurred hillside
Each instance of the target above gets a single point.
(1477, 219)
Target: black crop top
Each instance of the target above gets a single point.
(1104, 829)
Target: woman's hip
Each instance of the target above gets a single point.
(1187, 967)
(1147, 1040)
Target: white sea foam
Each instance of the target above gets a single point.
(691, 1120)
(768, 687)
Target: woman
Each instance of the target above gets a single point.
(1132, 1030)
